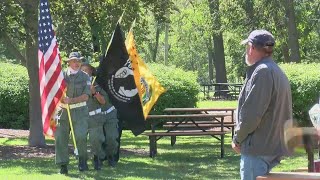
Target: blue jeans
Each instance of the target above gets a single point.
(253, 166)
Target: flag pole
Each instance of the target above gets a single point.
(130, 30)
(133, 24)
(120, 19)
(118, 22)
(72, 131)
(94, 80)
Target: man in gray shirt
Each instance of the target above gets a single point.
(264, 107)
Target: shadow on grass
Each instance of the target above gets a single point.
(181, 162)
(125, 168)
(190, 158)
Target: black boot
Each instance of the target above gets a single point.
(64, 169)
(83, 166)
(96, 163)
(111, 161)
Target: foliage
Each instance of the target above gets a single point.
(87, 26)
(13, 96)
(305, 86)
(182, 87)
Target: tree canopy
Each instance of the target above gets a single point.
(198, 35)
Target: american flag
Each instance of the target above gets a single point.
(52, 83)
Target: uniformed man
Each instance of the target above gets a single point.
(78, 91)
(103, 129)
(96, 117)
(111, 133)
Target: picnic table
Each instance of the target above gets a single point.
(228, 124)
(221, 90)
(190, 122)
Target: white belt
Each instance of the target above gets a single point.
(72, 106)
(109, 110)
(94, 112)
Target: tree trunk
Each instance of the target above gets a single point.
(12, 48)
(36, 137)
(154, 57)
(219, 59)
(251, 22)
(293, 32)
(166, 44)
(103, 40)
(94, 28)
(210, 60)
(285, 52)
(94, 34)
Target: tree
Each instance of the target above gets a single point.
(210, 59)
(219, 57)
(29, 14)
(30, 8)
(293, 32)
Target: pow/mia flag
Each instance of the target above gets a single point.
(115, 76)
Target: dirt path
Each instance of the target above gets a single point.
(17, 152)
(13, 133)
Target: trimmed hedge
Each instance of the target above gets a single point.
(305, 85)
(182, 87)
(14, 96)
(182, 90)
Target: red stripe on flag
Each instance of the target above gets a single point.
(53, 106)
(52, 57)
(51, 83)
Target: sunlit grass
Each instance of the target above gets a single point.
(12, 142)
(190, 158)
(208, 104)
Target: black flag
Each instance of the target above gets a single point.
(115, 76)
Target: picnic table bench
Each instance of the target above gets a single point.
(194, 122)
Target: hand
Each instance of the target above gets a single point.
(236, 147)
(93, 89)
(66, 100)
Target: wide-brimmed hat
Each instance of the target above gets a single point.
(75, 55)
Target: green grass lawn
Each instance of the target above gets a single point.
(207, 104)
(190, 158)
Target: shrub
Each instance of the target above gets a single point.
(14, 97)
(305, 85)
(182, 87)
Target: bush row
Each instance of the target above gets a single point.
(305, 86)
(14, 96)
(182, 87)
(182, 91)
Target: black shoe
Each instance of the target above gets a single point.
(83, 166)
(111, 161)
(64, 169)
(96, 163)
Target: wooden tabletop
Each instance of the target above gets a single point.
(198, 109)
